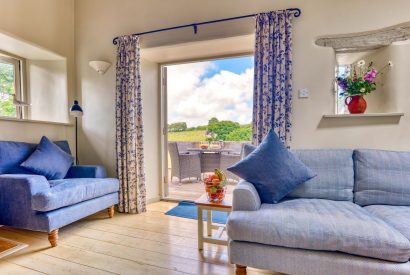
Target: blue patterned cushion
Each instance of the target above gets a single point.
(318, 224)
(48, 160)
(382, 177)
(272, 169)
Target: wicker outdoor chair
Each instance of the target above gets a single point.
(183, 146)
(184, 165)
(235, 146)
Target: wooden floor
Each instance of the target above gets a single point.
(149, 243)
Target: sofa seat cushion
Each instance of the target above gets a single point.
(396, 216)
(319, 224)
(67, 192)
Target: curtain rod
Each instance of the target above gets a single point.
(296, 12)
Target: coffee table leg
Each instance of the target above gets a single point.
(209, 222)
(200, 229)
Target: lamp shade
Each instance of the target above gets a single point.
(100, 66)
(76, 110)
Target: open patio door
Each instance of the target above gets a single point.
(206, 119)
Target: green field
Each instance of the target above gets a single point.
(195, 135)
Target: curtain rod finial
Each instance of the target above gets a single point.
(297, 12)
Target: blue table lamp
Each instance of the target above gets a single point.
(76, 111)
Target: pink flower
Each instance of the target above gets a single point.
(371, 75)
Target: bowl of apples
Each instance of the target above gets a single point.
(215, 186)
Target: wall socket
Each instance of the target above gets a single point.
(303, 93)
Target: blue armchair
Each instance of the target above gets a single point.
(32, 202)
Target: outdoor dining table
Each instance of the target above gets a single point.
(210, 158)
(210, 150)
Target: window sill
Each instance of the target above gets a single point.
(369, 115)
(34, 121)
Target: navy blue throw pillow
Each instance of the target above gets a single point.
(272, 169)
(48, 160)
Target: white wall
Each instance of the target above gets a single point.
(50, 25)
(98, 21)
(47, 90)
(389, 87)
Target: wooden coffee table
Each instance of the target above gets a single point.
(203, 204)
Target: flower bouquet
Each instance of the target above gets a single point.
(215, 186)
(361, 81)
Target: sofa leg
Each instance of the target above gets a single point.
(53, 237)
(240, 270)
(111, 211)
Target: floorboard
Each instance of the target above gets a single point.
(148, 243)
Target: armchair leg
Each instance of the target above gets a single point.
(111, 211)
(240, 270)
(53, 237)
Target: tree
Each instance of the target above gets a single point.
(213, 121)
(241, 134)
(7, 107)
(222, 128)
(177, 127)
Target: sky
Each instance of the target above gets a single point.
(216, 88)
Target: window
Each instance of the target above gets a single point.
(10, 86)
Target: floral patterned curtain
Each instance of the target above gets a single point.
(273, 76)
(129, 127)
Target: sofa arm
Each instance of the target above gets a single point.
(86, 171)
(15, 185)
(245, 197)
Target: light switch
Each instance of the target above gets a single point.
(303, 93)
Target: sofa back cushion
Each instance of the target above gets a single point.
(382, 177)
(13, 153)
(335, 177)
(334, 169)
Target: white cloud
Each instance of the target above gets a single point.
(194, 99)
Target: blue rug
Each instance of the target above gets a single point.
(188, 209)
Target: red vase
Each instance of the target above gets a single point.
(356, 104)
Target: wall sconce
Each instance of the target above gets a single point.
(100, 66)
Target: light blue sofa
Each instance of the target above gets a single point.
(31, 202)
(353, 218)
